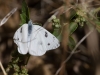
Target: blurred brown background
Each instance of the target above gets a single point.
(81, 63)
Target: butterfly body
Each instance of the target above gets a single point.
(34, 39)
(29, 28)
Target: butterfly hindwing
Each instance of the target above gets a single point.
(37, 47)
(43, 41)
(20, 38)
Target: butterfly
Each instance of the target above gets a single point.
(34, 39)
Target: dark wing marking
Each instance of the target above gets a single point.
(48, 44)
(21, 30)
(46, 34)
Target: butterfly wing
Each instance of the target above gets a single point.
(42, 41)
(20, 38)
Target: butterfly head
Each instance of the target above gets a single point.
(30, 22)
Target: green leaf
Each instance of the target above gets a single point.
(59, 37)
(98, 23)
(71, 43)
(57, 34)
(73, 26)
(25, 13)
(98, 26)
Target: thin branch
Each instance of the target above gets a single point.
(3, 70)
(56, 13)
(50, 19)
(74, 50)
(67, 10)
(5, 19)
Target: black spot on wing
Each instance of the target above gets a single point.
(57, 44)
(53, 38)
(17, 38)
(21, 30)
(48, 44)
(46, 34)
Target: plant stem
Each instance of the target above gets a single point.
(27, 59)
(74, 50)
(3, 70)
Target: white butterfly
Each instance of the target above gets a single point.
(4, 20)
(34, 39)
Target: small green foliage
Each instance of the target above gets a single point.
(97, 18)
(80, 17)
(16, 60)
(8, 68)
(56, 26)
(16, 68)
(72, 27)
(98, 26)
(56, 32)
(25, 13)
(15, 74)
(24, 70)
(71, 43)
(56, 22)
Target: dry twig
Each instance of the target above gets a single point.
(74, 50)
(3, 70)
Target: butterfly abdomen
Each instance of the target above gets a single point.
(29, 28)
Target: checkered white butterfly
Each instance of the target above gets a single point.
(34, 39)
